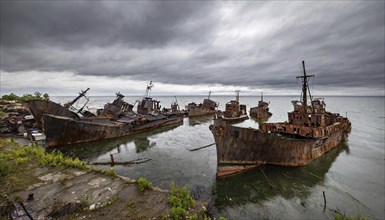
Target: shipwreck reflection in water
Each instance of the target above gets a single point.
(193, 121)
(259, 120)
(91, 150)
(142, 144)
(288, 182)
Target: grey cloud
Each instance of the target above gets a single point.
(76, 24)
(342, 42)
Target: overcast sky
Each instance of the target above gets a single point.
(191, 47)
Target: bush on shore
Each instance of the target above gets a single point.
(26, 97)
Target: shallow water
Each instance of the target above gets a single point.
(352, 175)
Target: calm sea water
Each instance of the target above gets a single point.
(352, 175)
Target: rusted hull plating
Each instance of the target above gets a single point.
(239, 149)
(61, 131)
(40, 107)
(236, 119)
(194, 112)
(257, 112)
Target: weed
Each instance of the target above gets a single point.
(16, 161)
(340, 216)
(143, 184)
(133, 210)
(180, 201)
(110, 172)
(194, 217)
(177, 213)
(21, 160)
(18, 198)
(202, 215)
(108, 202)
(130, 204)
(53, 159)
(4, 169)
(13, 152)
(85, 201)
(164, 216)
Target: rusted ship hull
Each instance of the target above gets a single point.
(208, 107)
(40, 107)
(195, 112)
(239, 149)
(259, 113)
(61, 131)
(236, 119)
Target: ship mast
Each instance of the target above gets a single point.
(148, 90)
(81, 94)
(237, 95)
(304, 86)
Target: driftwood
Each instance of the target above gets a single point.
(267, 180)
(124, 163)
(25, 210)
(195, 149)
(315, 175)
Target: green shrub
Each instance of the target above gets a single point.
(180, 197)
(180, 201)
(143, 184)
(45, 96)
(26, 97)
(36, 96)
(177, 213)
(10, 97)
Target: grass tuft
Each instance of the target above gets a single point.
(54, 159)
(340, 216)
(143, 184)
(17, 161)
(110, 172)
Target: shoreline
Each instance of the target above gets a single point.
(82, 192)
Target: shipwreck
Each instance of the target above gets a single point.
(261, 111)
(65, 125)
(310, 132)
(208, 107)
(234, 112)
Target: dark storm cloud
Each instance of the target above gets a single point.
(345, 49)
(252, 44)
(73, 24)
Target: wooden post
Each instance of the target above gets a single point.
(112, 160)
(30, 197)
(323, 192)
